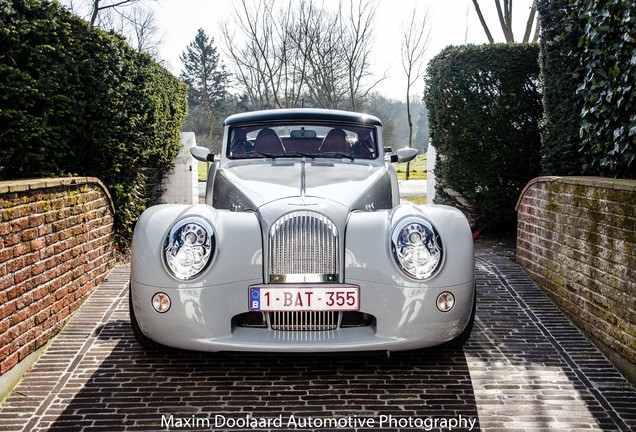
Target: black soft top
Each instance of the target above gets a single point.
(303, 114)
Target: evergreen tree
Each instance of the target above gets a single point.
(204, 73)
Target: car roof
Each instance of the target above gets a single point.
(302, 114)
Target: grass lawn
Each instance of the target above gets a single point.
(418, 169)
(203, 171)
(416, 200)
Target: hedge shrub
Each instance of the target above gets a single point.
(76, 100)
(560, 70)
(484, 108)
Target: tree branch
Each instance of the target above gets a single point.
(97, 8)
(529, 24)
(502, 20)
(483, 22)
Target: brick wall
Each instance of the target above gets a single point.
(56, 245)
(576, 237)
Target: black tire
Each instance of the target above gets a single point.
(463, 337)
(142, 339)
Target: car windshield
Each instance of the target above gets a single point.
(319, 140)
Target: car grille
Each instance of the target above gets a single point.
(303, 247)
(303, 321)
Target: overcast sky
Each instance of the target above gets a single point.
(453, 22)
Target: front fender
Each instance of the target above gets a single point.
(385, 287)
(237, 257)
(369, 257)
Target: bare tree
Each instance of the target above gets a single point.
(102, 5)
(336, 46)
(130, 18)
(302, 49)
(505, 19)
(415, 40)
(144, 31)
(483, 22)
(318, 39)
(266, 66)
(504, 12)
(73, 5)
(532, 21)
(357, 30)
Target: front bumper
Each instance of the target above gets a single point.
(200, 319)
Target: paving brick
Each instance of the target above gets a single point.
(525, 368)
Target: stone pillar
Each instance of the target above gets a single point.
(430, 174)
(182, 183)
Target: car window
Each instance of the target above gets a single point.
(319, 140)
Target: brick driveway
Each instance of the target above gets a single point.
(525, 368)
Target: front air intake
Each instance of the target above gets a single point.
(304, 321)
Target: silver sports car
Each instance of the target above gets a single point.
(302, 246)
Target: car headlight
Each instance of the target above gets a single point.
(189, 247)
(417, 247)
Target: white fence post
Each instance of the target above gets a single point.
(182, 183)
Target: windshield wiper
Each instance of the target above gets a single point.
(336, 153)
(303, 154)
(261, 154)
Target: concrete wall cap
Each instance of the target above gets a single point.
(12, 186)
(602, 182)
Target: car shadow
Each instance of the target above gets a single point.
(174, 389)
(524, 367)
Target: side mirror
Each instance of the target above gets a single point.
(404, 155)
(202, 154)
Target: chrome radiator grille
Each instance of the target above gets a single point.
(303, 247)
(303, 321)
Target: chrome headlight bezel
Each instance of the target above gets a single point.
(417, 248)
(189, 247)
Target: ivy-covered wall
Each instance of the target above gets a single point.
(484, 108)
(78, 101)
(608, 86)
(588, 52)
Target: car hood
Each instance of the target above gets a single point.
(354, 185)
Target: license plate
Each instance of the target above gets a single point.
(300, 298)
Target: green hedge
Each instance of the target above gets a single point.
(560, 127)
(484, 107)
(76, 100)
(589, 71)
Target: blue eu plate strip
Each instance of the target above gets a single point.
(255, 299)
